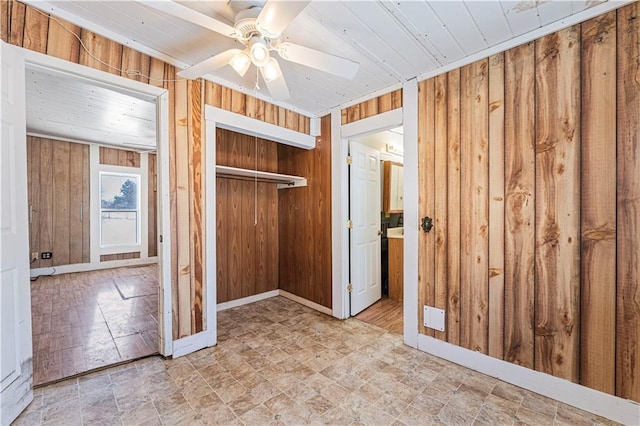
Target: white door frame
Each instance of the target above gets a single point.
(160, 97)
(407, 116)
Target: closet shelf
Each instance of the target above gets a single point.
(282, 181)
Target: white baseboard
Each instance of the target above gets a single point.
(307, 303)
(617, 409)
(266, 295)
(85, 267)
(246, 300)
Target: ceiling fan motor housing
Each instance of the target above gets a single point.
(246, 22)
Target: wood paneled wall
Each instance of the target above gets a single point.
(247, 218)
(530, 164)
(231, 100)
(304, 220)
(26, 27)
(119, 157)
(58, 192)
(382, 103)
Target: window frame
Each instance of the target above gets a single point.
(138, 210)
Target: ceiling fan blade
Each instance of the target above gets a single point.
(319, 60)
(192, 16)
(208, 65)
(276, 15)
(277, 86)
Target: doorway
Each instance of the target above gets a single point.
(97, 180)
(383, 201)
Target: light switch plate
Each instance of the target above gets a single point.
(434, 318)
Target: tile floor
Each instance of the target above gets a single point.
(280, 363)
(88, 320)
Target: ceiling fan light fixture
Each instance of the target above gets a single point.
(259, 52)
(271, 71)
(240, 63)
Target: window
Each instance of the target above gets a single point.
(119, 209)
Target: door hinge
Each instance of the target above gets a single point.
(350, 224)
(349, 159)
(160, 237)
(349, 287)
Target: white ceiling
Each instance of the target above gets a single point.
(69, 107)
(392, 40)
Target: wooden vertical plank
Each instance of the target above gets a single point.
(250, 108)
(236, 254)
(628, 195)
(474, 214)
(222, 239)
(270, 113)
(86, 212)
(63, 40)
(520, 205)
(135, 65)
(558, 204)
(61, 190)
(196, 218)
(598, 205)
(282, 116)
(238, 102)
(152, 206)
(16, 32)
(440, 227)
(291, 120)
(353, 113)
(106, 55)
(182, 208)
(260, 238)
(33, 170)
(396, 99)
(75, 202)
(369, 108)
(46, 199)
(226, 98)
(426, 197)
(453, 207)
(36, 26)
(496, 206)
(384, 103)
(5, 23)
(344, 118)
(259, 109)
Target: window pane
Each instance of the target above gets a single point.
(119, 192)
(119, 228)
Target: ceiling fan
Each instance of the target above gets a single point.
(259, 29)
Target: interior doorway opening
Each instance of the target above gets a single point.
(96, 171)
(377, 272)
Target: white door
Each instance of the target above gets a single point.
(364, 206)
(16, 357)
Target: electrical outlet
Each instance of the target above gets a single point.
(34, 256)
(46, 255)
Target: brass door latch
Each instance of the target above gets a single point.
(427, 224)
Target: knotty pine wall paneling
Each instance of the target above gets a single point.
(26, 27)
(378, 105)
(59, 199)
(628, 204)
(543, 171)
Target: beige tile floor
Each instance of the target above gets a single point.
(280, 363)
(89, 320)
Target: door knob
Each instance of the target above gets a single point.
(427, 224)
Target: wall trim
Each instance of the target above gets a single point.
(374, 124)
(603, 404)
(254, 127)
(305, 302)
(223, 306)
(410, 193)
